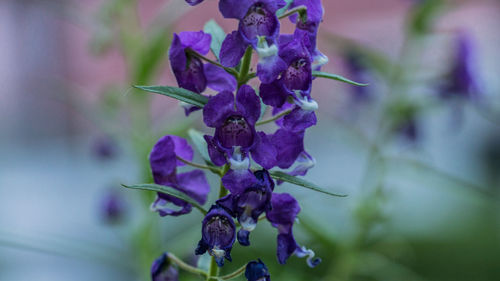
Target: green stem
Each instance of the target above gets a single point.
(245, 66)
(186, 266)
(223, 191)
(274, 118)
(234, 274)
(301, 10)
(213, 270)
(199, 166)
(227, 69)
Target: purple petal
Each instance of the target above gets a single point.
(237, 180)
(182, 149)
(286, 246)
(218, 108)
(273, 94)
(194, 184)
(217, 157)
(290, 146)
(298, 120)
(264, 152)
(305, 162)
(248, 103)
(235, 9)
(218, 79)
(284, 211)
(160, 205)
(194, 2)
(196, 41)
(232, 49)
(269, 68)
(163, 162)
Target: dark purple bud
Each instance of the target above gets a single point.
(113, 207)
(162, 269)
(235, 132)
(217, 235)
(257, 271)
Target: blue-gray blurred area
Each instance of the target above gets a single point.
(422, 173)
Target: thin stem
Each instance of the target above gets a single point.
(213, 270)
(245, 66)
(274, 118)
(234, 274)
(200, 166)
(301, 10)
(186, 266)
(227, 69)
(223, 191)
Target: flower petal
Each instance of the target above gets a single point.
(290, 146)
(269, 68)
(237, 180)
(232, 49)
(218, 79)
(217, 109)
(217, 157)
(264, 152)
(298, 120)
(196, 41)
(163, 161)
(248, 103)
(235, 9)
(194, 184)
(273, 94)
(182, 149)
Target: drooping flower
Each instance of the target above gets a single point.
(162, 269)
(190, 72)
(235, 136)
(164, 163)
(282, 216)
(217, 235)
(248, 202)
(462, 79)
(258, 27)
(257, 271)
(310, 26)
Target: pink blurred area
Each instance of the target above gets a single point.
(45, 49)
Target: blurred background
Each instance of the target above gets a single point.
(417, 151)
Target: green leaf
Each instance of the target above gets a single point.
(199, 143)
(218, 36)
(177, 93)
(298, 181)
(169, 191)
(336, 77)
(284, 9)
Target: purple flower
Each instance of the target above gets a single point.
(294, 82)
(189, 70)
(282, 216)
(217, 235)
(164, 163)
(257, 271)
(235, 136)
(310, 26)
(163, 270)
(249, 202)
(113, 207)
(462, 80)
(258, 27)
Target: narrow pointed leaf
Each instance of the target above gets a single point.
(177, 93)
(169, 191)
(301, 182)
(199, 143)
(336, 77)
(218, 36)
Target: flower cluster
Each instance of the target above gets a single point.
(238, 150)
